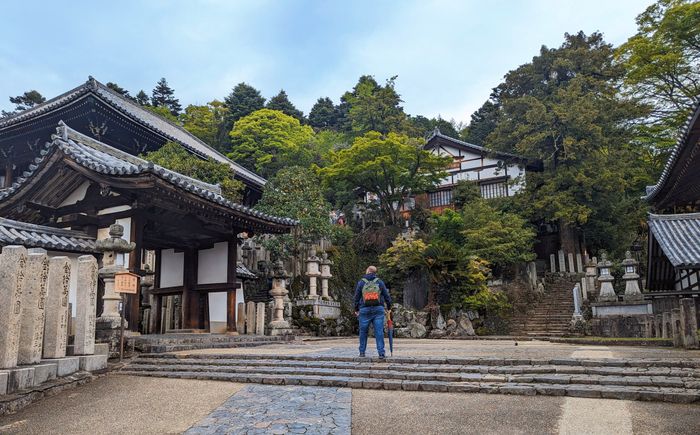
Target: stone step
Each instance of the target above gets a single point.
(159, 348)
(626, 392)
(689, 378)
(669, 363)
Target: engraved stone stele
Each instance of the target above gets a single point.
(86, 296)
(31, 336)
(562, 265)
(56, 323)
(240, 318)
(250, 318)
(260, 319)
(13, 261)
(552, 263)
(676, 333)
(570, 257)
(579, 263)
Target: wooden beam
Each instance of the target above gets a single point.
(167, 291)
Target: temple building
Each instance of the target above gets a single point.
(498, 174)
(673, 269)
(71, 169)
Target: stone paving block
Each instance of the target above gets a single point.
(372, 384)
(518, 389)
(44, 372)
(433, 386)
(463, 388)
(392, 385)
(681, 397)
(21, 378)
(582, 391)
(91, 363)
(551, 390)
(620, 393)
(4, 379)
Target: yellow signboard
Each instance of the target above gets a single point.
(126, 282)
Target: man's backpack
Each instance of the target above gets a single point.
(371, 292)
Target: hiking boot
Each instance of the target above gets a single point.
(362, 355)
(382, 357)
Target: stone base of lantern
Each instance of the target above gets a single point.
(321, 309)
(280, 327)
(626, 308)
(106, 332)
(621, 319)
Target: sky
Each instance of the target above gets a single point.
(448, 55)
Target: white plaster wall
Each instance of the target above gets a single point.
(77, 194)
(212, 265)
(116, 209)
(217, 309)
(171, 268)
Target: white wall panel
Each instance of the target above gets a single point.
(213, 264)
(171, 268)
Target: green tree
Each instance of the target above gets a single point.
(176, 158)
(389, 167)
(564, 109)
(483, 122)
(373, 107)
(295, 192)
(423, 126)
(142, 98)
(281, 102)
(163, 112)
(204, 121)
(662, 65)
(118, 89)
(163, 95)
(503, 239)
(323, 114)
(25, 101)
(464, 192)
(268, 140)
(242, 101)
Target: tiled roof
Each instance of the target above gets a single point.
(678, 236)
(244, 272)
(682, 142)
(477, 148)
(38, 236)
(104, 159)
(139, 114)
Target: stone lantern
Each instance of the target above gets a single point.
(313, 272)
(607, 292)
(631, 278)
(325, 275)
(113, 251)
(278, 325)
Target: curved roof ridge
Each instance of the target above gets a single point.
(437, 133)
(684, 132)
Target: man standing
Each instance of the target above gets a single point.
(371, 296)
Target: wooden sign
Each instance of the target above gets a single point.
(126, 282)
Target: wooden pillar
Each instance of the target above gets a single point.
(8, 175)
(156, 311)
(190, 297)
(134, 301)
(231, 280)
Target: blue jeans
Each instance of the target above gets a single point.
(374, 316)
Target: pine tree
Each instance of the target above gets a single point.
(25, 101)
(324, 114)
(281, 102)
(142, 98)
(163, 95)
(242, 101)
(118, 89)
(483, 122)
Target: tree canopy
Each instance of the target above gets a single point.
(203, 121)
(268, 140)
(164, 96)
(281, 102)
(373, 107)
(176, 158)
(389, 167)
(25, 101)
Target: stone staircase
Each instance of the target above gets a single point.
(157, 343)
(669, 380)
(551, 315)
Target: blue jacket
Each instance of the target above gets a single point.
(384, 297)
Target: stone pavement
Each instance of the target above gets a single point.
(261, 409)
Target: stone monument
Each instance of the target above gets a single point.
(31, 336)
(631, 278)
(260, 318)
(86, 306)
(13, 261)
(250, 318)
(607, 292)
(312, 271)
(278, 325)
(57, 311)
(240, 318)
(325, 276)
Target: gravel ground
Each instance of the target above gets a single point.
(122, 405)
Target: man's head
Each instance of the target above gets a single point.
(371, 270)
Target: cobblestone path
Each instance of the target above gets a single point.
(260, 409)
